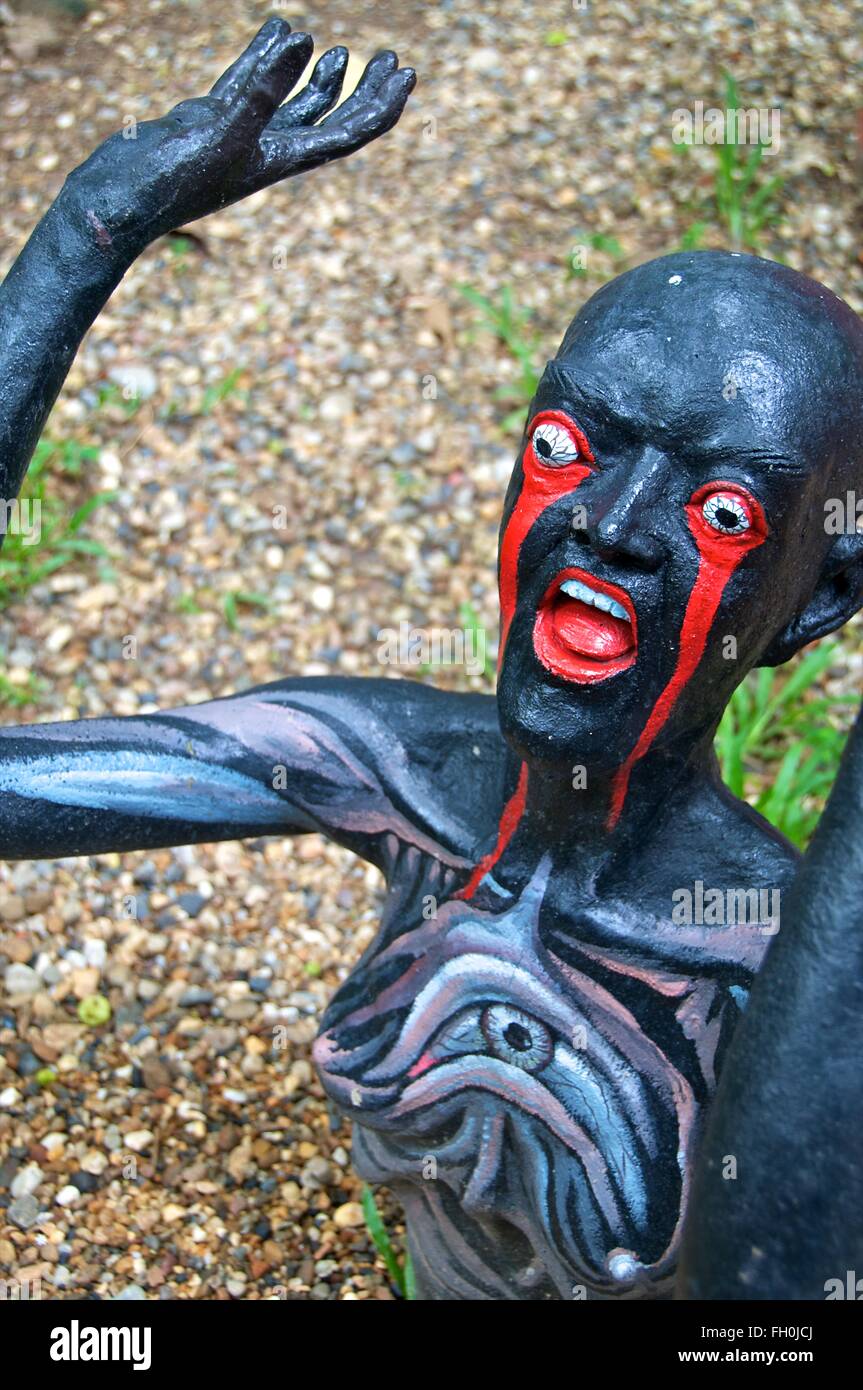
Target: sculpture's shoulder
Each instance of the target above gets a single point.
(423, 757)
(433, 722)
(433, 726)
(451, 734)
(728, 842)
(453, 749)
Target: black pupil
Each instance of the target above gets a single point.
(517, 1037)
(542, 447)
(727, 518)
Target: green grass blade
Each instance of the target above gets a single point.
(380, 1239)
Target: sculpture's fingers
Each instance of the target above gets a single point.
(321, 94)
(234, 78)
(194, 112)
(274, 74)
(381, 67)
(294, 151)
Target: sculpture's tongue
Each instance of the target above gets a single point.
(589, 631)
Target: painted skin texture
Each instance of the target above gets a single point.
(501, 1036)
(529, 1046)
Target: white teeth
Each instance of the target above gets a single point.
(576, 589)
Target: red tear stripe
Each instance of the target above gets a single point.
(512, 814)
(719, 555)
(700, 611)
(540, 487)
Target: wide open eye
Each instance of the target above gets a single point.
(517, 1037)
(726, 513)
(554, 445)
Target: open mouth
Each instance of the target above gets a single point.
(585, 629)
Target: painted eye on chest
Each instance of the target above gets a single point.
(516, 1037)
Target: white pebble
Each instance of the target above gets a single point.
(136, 381)
(139, 1140)
(95, 952)
(26, 1180)
(322, 598)
(336, 406)
(20, 979)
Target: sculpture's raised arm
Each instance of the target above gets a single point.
(783, 1219)
(333, 755)
(298, 755)
(204, 154)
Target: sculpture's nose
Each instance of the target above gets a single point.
(621, 516)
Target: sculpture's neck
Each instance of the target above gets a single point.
(567, 809)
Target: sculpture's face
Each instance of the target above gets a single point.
(665, 518)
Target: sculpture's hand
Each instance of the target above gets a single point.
(142, 183)
(210, 151)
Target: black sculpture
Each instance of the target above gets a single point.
(529, 1047)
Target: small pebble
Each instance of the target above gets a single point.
(23, 1212)
(139, 1140)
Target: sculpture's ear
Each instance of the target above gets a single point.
(837, 597)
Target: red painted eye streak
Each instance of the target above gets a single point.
(718, 557)
(512, 813)
(542, 485)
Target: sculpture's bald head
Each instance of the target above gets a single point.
(700, 412)
(717, 344)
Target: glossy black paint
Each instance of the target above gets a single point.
(562, 1161)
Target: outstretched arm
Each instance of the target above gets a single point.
(203, 155)
(376, 765)
(368, 763)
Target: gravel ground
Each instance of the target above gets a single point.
(309, 352)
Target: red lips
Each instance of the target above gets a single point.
(579, 642)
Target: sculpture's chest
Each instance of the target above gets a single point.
(535, 1120)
